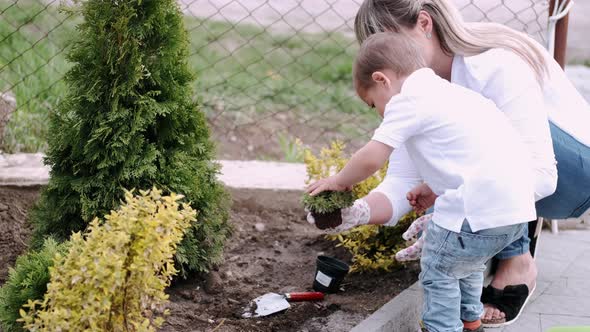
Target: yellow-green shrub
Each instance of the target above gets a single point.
(113, 277)
(372, 247)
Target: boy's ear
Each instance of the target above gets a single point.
(380, 78)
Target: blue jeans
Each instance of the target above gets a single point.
(452, 272)
(572, 196)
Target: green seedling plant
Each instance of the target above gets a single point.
(328, 201)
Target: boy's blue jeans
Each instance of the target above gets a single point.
(452, 272)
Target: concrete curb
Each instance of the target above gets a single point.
(24, 169)
(27, 169)
(401, 314)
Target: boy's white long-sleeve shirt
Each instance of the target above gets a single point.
(465, 149)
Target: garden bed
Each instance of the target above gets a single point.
(273, 249)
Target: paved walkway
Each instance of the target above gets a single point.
(562, 297)
(580, 77)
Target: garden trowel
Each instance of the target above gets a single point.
(271, 303)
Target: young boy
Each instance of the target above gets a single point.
(482, 179)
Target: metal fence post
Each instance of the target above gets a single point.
(560, 35)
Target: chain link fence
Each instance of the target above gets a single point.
(268, 71)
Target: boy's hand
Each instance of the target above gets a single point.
(421, 198)
(328, 184)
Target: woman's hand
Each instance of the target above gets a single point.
(414, 251)
(331, 183)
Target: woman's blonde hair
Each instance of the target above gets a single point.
(386, 51)
(456, 37)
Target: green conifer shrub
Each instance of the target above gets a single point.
(113, 276)
(129, 121)
(27, 281)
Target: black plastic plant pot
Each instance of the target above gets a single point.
(329, 274)
(327, 220)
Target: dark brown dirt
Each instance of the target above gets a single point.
(241, 137)
(327, 220)
(14, 228)
(273, 249)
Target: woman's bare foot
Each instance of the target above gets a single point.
(513, 271)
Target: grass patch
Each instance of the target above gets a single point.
(241, 69)
(33, 37)
(248, 67)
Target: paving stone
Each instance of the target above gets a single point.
(556, 247)
(548, 321)
(580, 267)
(526, 322)
(550, 270)
(573, 287)
(580, 234)
(561, 305)
(541, 287)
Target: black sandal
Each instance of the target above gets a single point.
(511, 301)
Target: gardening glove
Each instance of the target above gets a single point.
(358, 214)
(414, 251)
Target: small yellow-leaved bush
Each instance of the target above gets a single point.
(330, 161)
(113, 277)
(372, 247)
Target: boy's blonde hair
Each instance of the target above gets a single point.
(386, 51)
(456, 36)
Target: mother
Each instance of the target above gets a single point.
(529, 87)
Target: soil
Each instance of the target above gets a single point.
(258, 137)
(327, 220)
(273, 249)
(14, 228)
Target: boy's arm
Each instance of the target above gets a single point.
(364, 163)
